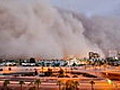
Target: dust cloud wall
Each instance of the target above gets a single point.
(34, 28)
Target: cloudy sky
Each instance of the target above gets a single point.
(90, 7)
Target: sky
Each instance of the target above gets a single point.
(90, 7)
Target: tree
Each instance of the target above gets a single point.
(92, 85)
(20, 62)
(74, 64)
(37, 83)
(36, 72)
(69, 85)
(5, 85)
(59, 83)
(76, 83)
(49, 72)
(6, 82)
(61, 72)
(21, 84)
(32, 60)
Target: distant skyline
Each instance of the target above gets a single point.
(90, 7)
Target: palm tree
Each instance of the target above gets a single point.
(6, 82)
(21, 84)
(69, 85)
(76, 83)
(37, 83)
(59, 83)
(92, 84)
(61, 72)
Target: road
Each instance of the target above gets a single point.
(84, 85)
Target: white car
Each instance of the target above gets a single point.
(28, 64)
(3, 64)
(10, 63)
